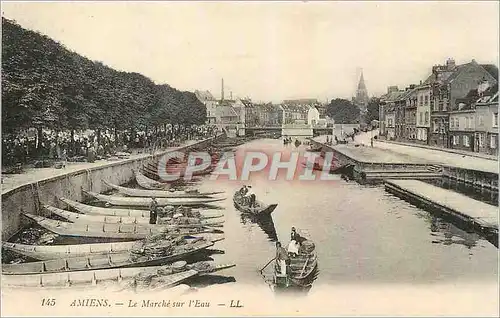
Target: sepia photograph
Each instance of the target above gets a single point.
(250, 158)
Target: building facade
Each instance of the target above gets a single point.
(423, 118)
(486, 134)
(448, 83)
(210, 104)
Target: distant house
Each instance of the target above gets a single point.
(486, 137)
(210, 104)
(387, 112)
(448, 83)
(293, 113)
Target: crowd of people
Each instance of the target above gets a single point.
(27, 147)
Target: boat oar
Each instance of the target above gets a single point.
(267, 265)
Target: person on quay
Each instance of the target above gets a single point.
(153, 211)
(282, 258)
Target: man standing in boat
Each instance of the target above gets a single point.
(153, 211)
(282, 258)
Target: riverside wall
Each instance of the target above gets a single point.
(28, 197)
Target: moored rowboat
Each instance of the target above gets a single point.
(135, 201)
(182, 222)
(148, 183)
(47, 252)
(259, 209)
(89, 209)
(170, 275)
(105, 230)
(105, 261)
(159, 193)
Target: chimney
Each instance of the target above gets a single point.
(222, 91)
(231, 95)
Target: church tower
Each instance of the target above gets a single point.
(361, 98)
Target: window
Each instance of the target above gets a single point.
(426, 100)
(495, 119)
(480, 120)
(421, 118)
(420, 100)
(481, 140)
(466, 141)
(435, 126)
(471, 121)
(493, 141)
(426, 118)
(456, 140)
(452, 123)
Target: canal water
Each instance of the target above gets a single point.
(362, 234)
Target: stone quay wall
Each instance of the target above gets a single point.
(28, 197)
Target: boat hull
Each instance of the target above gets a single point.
(121, 231)
(159, 193)
(260, 210)
(102, 261)
(48, 252)
(77, 217)
(145, 202)
(93, 210)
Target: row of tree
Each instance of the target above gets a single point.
(45, 85)
(344, 111)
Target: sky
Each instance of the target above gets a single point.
(275, 50)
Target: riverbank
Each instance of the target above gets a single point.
(25, 192)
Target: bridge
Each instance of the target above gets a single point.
(286, 130)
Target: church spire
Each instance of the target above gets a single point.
(361, 85)
(361, 98)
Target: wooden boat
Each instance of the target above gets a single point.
(159, 193)
(48, 252)
(180, 222)
(150, 184)
(180, 171)
(145, 202)
(260, 207)
(170, 275)
(133, 258)
(302, 270)
(106, 230)
(89, 209)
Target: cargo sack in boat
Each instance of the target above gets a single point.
(307, 247)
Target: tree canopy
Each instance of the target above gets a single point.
(373, 109)
(46, 85)
(343, 111)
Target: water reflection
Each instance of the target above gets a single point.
(265, 222)
(446, 233)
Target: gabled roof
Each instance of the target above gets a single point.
(492, 69)
(392, 96)
(204, 95)
(295, 108)
(226, 111)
